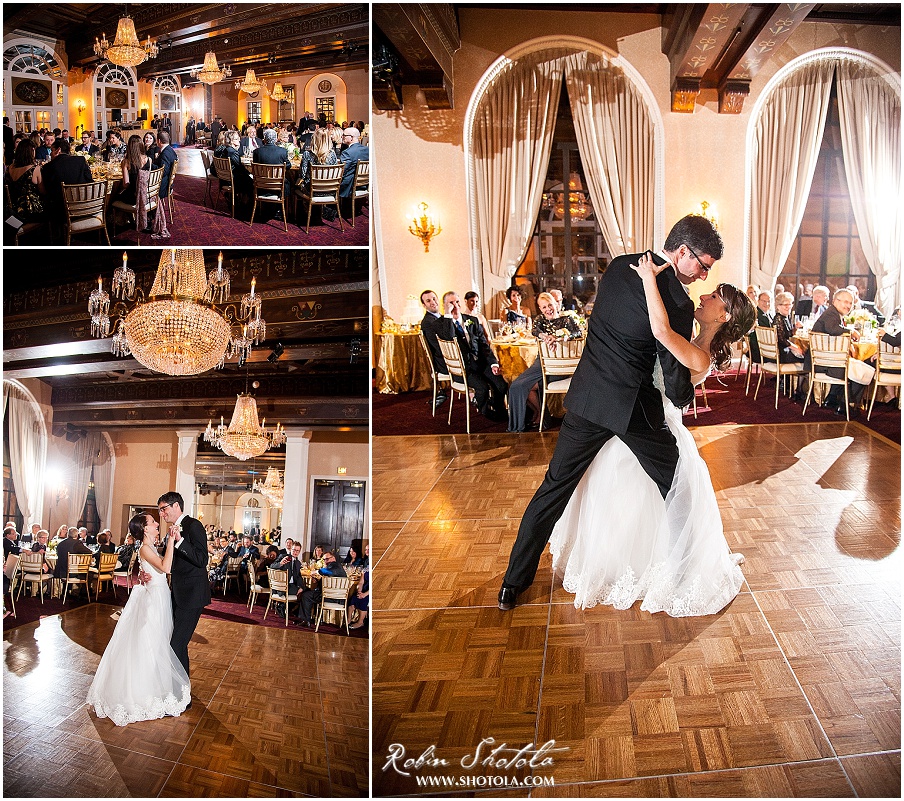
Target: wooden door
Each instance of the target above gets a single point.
(337, 513)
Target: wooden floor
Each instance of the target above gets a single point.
(275, 713)
(793, 690)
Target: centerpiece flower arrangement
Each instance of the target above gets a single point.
(860, 319)
(291, 149)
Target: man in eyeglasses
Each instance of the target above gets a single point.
(612, 391)
(87, 146)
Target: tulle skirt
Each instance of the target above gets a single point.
(618, 541)
(139, 676)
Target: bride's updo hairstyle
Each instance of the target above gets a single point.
(742, 314)
(136, 527)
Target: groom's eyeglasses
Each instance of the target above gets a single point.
(165, 506)
(705, 267)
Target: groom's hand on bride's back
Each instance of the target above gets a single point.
(143, 577)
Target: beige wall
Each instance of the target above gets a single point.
(419, 154)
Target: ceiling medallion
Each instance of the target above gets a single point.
(244, 438)
(178, 329)
(126, 50)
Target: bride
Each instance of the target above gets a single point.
(671, 553)
(139, 676)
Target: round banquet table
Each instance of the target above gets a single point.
(402, 365)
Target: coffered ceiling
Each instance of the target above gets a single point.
(273, 38)
(315, 303)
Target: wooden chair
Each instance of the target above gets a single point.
(435, 377)
(322, 191)
(10, 569)
(104, 572)
(207, 161)
(127, 574)
(86, 208)
(828, 351)
(154, 180)
(26, 228)
(361, 186)
(888, 372)
(31, 567)
(335, 598)
(279, 590)
(168, 200)
(768, 341)
(255, 588)
(269, 187)
(79, 565)
(224, 175)
(458, 380)
(557, 359)
(232, 571)
(705, 401)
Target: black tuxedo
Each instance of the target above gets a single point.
(91, 148)
(66, 547)
(311, 597)
(612, 394)
(215, 128)
(64, 169)
(165, 158)
(190, 585)
(831, 323)
(293, 567)
(489, 389)
(10, 546)
(350, 157)
(430, 325)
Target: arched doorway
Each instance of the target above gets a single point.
(168, 101)
(115, 97)
(326, 94)
(35, 94)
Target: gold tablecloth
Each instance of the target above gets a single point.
(514, 358)
(333, 616)
(402, 365)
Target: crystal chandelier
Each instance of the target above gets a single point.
(251, 85)
(178, 329)
(244, 438)
(210, 73)
(126, 50)
(278, 94)
(272, 487)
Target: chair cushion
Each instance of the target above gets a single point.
(362, 192)
(268, 196)
(324, 198)
(87, 223)
(118, 204)
(561, 386)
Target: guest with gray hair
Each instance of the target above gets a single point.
(271, 153)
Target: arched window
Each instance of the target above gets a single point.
(115, 97)
(168, 101)
(34, 86)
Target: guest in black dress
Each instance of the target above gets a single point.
(136, 159)
(515, 315)
(150, 144)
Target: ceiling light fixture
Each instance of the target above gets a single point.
(251, 85)
(126, 50)
(272, 487)
(210, 73)
(244, 437)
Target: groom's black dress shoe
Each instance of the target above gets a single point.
(507, 598)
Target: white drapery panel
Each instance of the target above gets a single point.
(27, 451)
(511, 140)
(786, 147)
(869, 110)
(104, 470)
(82, 462)
(616, 141)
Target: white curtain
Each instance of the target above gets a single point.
(104, 468)
(870, 115)
(27, 451)
(788, 135)
(512, 140)
(82, 462)
(616, 140)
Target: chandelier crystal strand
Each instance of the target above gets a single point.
(98, 308)
(272, 487)
(251, 84)
(124, 280)
(126, 50)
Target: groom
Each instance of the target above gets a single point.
(612, 391)
(190, 585)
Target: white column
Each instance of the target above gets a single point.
(295, 497)
(185, 467)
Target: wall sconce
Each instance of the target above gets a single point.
(425, 227)
(342, 470)
(62, 493)
(80, 105)
(709, 215)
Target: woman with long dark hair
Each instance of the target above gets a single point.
(139, 676)
(135, 159)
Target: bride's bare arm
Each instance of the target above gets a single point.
(692, 357)
(149, 555)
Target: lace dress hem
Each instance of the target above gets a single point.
(152, 709)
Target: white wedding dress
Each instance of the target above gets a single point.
(139, 676)
(618, 541)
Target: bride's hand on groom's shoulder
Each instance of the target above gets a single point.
(647, 267)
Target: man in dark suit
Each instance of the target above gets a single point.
(816, 304)
(215, 127)
(291, 562)
(612, 391)
(8, 138)
(10, 542)
(271, 153)
(307, 134)
(430, 325)
(86, 145)
(63, 169)
(248, 552)
(764, 317)
(312, 596)
(481, 367)
(165, 158)
(190, 585)
(72, 544)
(350, 157)
(252, 140)
(45, 151)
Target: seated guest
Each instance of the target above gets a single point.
(165, 158)
(788, 352)
(103, 546)
(63, 169)
(250, 141)
(361, 602)
(218, 561)
(72, 544)
(317, 553)
(320, 152)
(248, 552)
(30, 536)
(242, 179)
(39, 543)
(291, 563)
(472, 304)
(135, 159)
(763, 318)
(306, 136)
(831, 322)
(816, 304)
(61, 533)
(514, 314)
(114, 148)
(312, 596)
(124, 552)
(481, 367)
(864, 305)
(271, 153)
(354, 557)
(287, 550)
(44, 151)
(524, 391)
(149, 140)
(87, 146)
(350, 157)
(431, 324)
(23, 178)
(753, 292)
(267, 560)
(10, 542)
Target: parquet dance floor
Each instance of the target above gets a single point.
(274, 714)
(793, 690)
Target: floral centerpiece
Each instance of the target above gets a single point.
(861, 319)
(291, 150)
(52, 545)
(579, 320)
